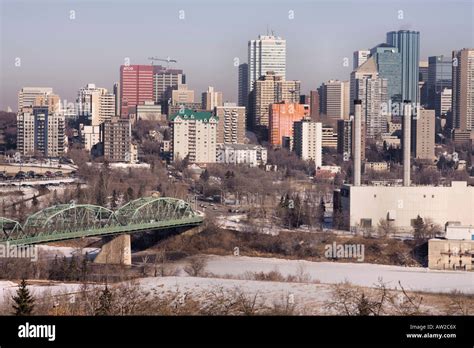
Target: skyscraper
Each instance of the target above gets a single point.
(95, 104)
(267, 53)
(116, 136)
(270, 89)
(439, 78)
(307, 141)
(314, 105)
(423, 67)
(27, 95)
(389, 66)
(408, 44)
(211, 99)
(136, 86)
(360, 58)
(165, 79)
(194, 136)
(463, 90)
(282, 117)
(425, 135)
(40, 128)
(243, 85)
(368, 87)
(231, 124)
(334, 98)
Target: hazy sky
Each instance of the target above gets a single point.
(66, 54)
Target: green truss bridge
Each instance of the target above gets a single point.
(70, 221)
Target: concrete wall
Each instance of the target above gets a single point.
(404, 203)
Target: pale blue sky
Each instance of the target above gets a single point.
(66, 54)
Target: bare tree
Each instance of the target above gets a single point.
(196, 266)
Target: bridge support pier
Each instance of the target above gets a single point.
(117, 251)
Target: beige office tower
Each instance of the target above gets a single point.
(96, 104)
(211, 99)
(27, 95)
(367, 86)
(182, 95)
(52, 101)
(334, 96)
(194, 136)
(425, 134)
(231, 124)
(463, 93)
(270, 89)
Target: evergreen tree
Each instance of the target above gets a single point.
(23, 301)
(105, 302)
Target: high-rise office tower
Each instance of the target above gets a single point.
(368, 87)
(165, 79)
(243, 85)
(389, 66)
(182, 95)
(231, 124)
(270, 89)
(40, 128)
(423, 67)
(307, 141)
(282, 117)
(267, 53)
(27, 95)
(425, 135)
(463, 90)
(211, 99)
(136, 86)
(314, 105)
(360, 58)
(408, 44)
(95, 104)
(439, 77)
(334, 98)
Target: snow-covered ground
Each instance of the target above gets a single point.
(363, 274)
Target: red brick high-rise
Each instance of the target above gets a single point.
(136, 86)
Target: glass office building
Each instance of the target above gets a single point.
(408, 44)
(439, 77)
(389, 67)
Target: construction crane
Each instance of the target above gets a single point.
(167, 60)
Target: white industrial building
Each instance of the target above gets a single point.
(364, 206)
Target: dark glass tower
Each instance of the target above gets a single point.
(408, 44)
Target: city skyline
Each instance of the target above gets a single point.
(312, 62)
